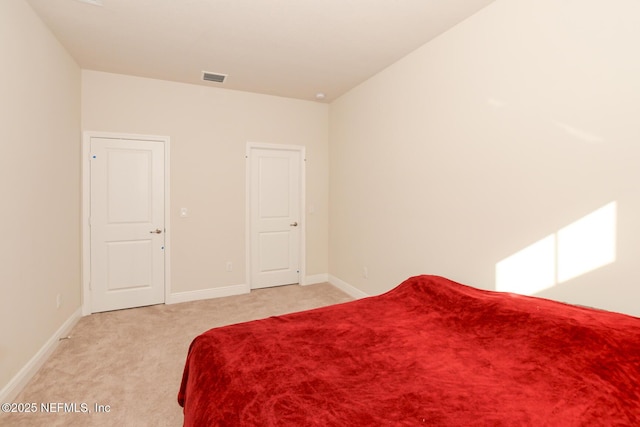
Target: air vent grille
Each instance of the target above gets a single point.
(213, 77)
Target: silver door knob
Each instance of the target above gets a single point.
(294, 224)
(156, 231)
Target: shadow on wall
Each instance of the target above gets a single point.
(582, 246)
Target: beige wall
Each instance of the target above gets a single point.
(502, 131)
(209, 129)
(39, 186)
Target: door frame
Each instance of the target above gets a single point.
(302, 241)
(86, 210)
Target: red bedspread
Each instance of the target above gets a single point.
(429, 352)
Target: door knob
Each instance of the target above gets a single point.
(294, 224)
(156, 231)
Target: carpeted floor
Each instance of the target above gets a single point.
(132, 360)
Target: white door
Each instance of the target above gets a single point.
(126, 223)
(275, 216)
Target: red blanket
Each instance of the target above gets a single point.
(429, 352)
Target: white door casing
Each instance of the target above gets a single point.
(275, 223)
(127, 225)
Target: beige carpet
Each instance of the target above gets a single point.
(132, 360)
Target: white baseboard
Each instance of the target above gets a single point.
(223, 291)
(345, 287)
(315, 279)
(24, 375)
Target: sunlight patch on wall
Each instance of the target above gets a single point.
(530, 270)
(587, 244)
(580, 247)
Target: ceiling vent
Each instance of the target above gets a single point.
(213, 77)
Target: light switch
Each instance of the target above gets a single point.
(184, 212)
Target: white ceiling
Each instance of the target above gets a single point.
(290, 48)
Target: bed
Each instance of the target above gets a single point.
(429, 352)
